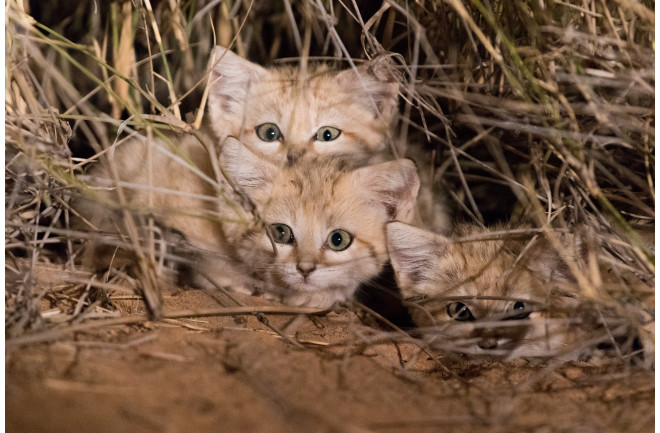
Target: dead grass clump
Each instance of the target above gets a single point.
(536, 111)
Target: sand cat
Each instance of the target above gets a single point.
(281, 113)
(479, 293)
(285, 112)
(320, 226)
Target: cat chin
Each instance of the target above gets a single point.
(320, 299)
(297, 293)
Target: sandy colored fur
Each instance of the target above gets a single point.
(361, 103)
(313, 197)
(490, 272)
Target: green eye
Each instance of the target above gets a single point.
(282, 233)
(268, 132)
(459, 311)
(339, 240)
(327, 133)
(518, 311)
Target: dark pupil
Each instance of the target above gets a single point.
(327, 136)
(271, 134)
(336, 238)
(281, 233)
(458, 311)
(519, 306)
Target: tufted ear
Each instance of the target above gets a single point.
(413, 252)
(376, 83)
(393, 184)
(246, 170)
(231, 76)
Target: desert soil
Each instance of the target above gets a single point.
(236, 374)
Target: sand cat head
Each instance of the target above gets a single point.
(282, 114)
(323, 231)
(477, 296)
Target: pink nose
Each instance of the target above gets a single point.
(306, 268)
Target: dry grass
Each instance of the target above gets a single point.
(531, 110)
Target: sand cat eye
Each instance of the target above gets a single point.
(269, 132)
(459, 311)
(339, 240)
(282, 233)
(327, 133)
(518, 311)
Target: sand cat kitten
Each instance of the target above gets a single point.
(284, 114)
(321, 228)
(475, 294)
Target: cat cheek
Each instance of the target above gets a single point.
(272, 149)
(264, 243)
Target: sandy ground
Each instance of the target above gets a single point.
(219, 374)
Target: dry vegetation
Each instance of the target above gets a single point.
(526, 110)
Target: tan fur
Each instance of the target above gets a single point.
(488, 276)
(313, 197)
(231, 247)
(360, 103)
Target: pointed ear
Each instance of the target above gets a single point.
(231, 76)
(244, 169)
(393, 184)
(377, 83)
(413, 252)
(549, 264)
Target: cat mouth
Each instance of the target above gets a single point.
(305, 286)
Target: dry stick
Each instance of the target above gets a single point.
(58, 333)
(541, 131)
(150, 58)
(294, 28)
(634, 199)
(150, 279)
(159, 41)
(260, 317)
(88, 73)
(212, 64)
(473, 204)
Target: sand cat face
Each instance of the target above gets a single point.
(323, 231)
(475, 297)
(285, 115)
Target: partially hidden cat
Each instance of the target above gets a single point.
(319, 230)
(480, 292)
(286, 112)
(285, 117)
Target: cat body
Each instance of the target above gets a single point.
(481, 293)
(333, 216)
(303, 137)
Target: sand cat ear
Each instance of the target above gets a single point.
(375, 83)
(393, 184)
(413, 252)
(551, 265)
(244, 169)
(231, 76)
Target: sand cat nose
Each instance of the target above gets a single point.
(306, 268)
(487, 343)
